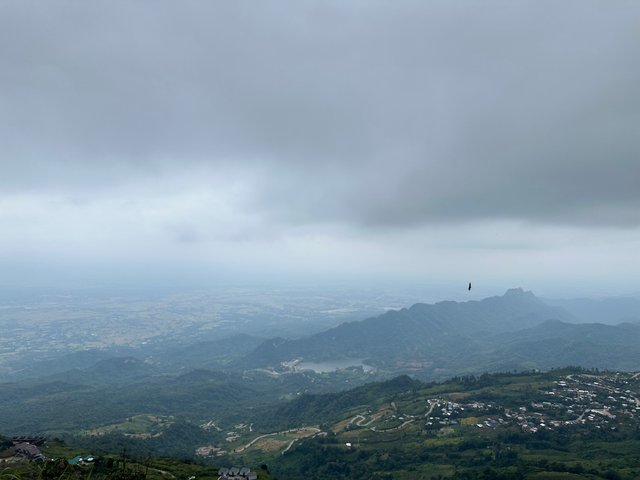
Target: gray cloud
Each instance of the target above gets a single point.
(367, 113)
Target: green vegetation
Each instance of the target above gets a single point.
(57, 407)
(564, 424)
(121, 466)
(516, 331)
(138, 426)
(446, 442)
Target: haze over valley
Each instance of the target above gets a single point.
(281, 328)
(319, 240)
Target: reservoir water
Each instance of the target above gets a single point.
(333, 365)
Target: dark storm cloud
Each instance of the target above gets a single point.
(370, 113)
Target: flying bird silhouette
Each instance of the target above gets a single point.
(469, 285)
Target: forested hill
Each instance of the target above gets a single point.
(422, 332)
(515, 331)
(311, 409)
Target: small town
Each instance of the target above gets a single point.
(577, 399)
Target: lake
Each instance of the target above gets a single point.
(333, 365)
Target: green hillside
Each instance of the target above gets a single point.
(563, 424)
(569, 424)
(516, 331)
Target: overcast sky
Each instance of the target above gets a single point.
(497, 142)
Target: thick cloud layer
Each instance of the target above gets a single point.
(322, 133)
(388, 114)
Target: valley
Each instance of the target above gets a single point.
(319, 240)
(73, 328)
(568, 423)
(444, 390)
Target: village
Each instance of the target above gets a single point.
(578, 399)
(601, 401)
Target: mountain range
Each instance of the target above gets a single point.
(514, 331)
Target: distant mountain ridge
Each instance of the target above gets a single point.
(610, 311)
(423, 332)
(514, 331)
(553, 343)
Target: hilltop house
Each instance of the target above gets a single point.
(29, 451)
(235, 473)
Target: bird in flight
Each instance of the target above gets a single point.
(469, 285)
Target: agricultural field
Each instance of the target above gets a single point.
(138, 426)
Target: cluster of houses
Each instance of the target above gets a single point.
(235, 473)
(450, 413)
(235, 435)
(576, 399)
(28, 447)
(585, 399)
(210, 451)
